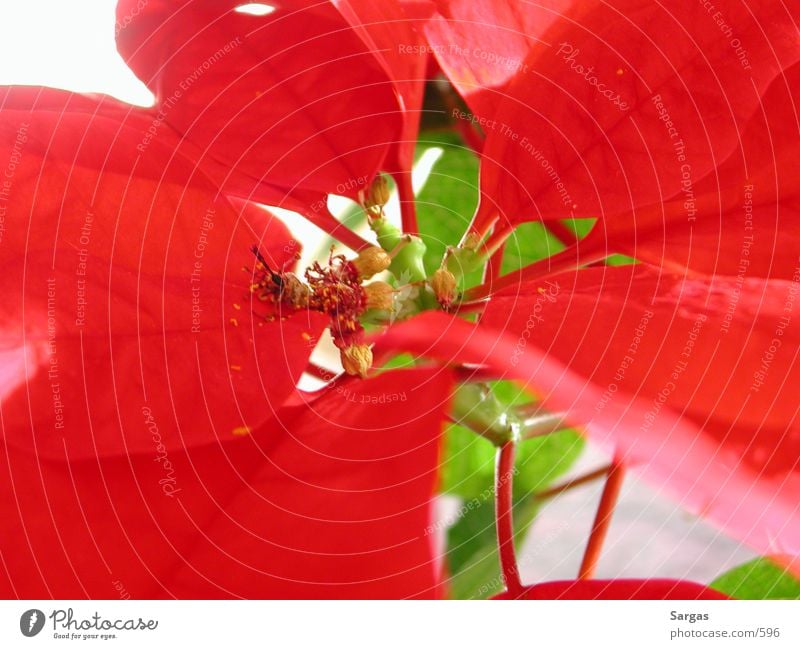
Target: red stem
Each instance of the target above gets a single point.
(602, 520)
(495, 265)
(492, 272)
(405, 192)
(473, 138)
(496, 239)
(327, 222)
(504, 475)
(561, 232)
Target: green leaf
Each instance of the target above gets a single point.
(620, 260)
(581, 227)
(528, 243)
(400, 361)
(468, 468)
(468, 472)
(511, 393)
(447, 202)
(543, 459)
(758, 579)
(532, 241)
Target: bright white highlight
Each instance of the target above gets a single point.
(255, 9)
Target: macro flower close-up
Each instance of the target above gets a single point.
(407, 299)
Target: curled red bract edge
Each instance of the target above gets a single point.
(619, 589)
(708, 468)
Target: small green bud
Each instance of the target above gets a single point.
(407, 261)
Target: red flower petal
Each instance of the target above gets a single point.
(718, 332)
(121, 275)
(741, 471)
(618, 589)
(332, 502)
(722, 355)
(742, 215)
(579, 132)
(294, 98)
(481, 44)
(391, 37)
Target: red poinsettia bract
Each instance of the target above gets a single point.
(154, 438)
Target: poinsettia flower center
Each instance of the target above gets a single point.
(334, 289)
(340, 288)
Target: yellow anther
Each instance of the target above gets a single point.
(376, 195)
(372, 261)
(357, 360)
(379, 296)
(444, 286)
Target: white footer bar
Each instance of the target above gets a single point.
(406, 625)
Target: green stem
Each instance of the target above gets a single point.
(476, 408)
(543, 423)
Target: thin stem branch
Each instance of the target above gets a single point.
(602, 520)
(557, 490)
(469, 307)
(405, 193)
(484, 432)
(496, 240)
(504, 475)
